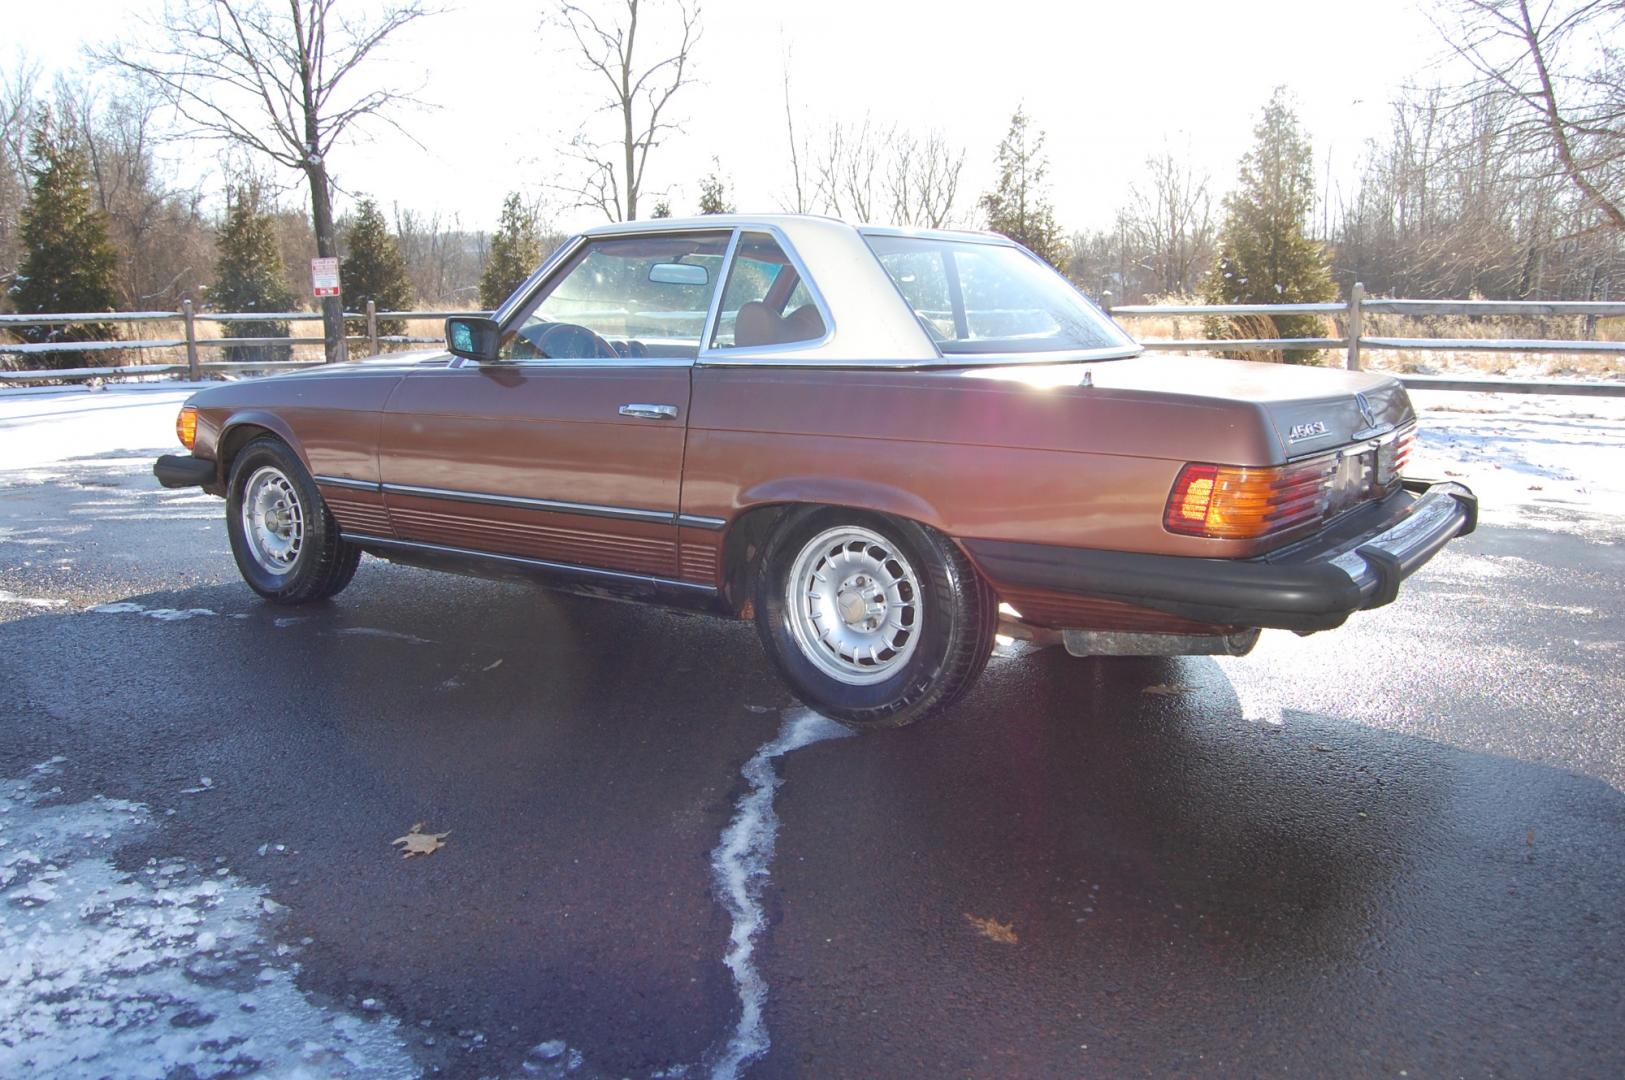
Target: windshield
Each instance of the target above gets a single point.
(976, 298)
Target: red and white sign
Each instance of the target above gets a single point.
(324, 277)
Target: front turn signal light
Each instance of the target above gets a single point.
(186, 426)
(1233, 502)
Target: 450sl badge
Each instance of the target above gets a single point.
(1301, 432)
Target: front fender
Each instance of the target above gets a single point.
(236, 421)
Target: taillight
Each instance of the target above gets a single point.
(186, 426)
(1231, 502)
(1392, 457)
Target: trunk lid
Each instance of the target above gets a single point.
(1309, 409)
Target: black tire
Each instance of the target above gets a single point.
(320, 562)
(958, 614)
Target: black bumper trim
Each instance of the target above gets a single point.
(1314, 585)
(183, 471)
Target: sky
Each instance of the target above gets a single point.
(1109, 84)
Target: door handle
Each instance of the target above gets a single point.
(650, 412)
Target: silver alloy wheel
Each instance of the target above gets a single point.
(854, 605)
(273, 520)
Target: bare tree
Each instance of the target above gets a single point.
(846, 170)
(638, 96)
(1561, 73)
(1169, 222)
(165, 244)
(800, 201)
(922, 180)
(17, 105)
(273, 78)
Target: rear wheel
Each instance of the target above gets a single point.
(872, 621)
(285, 541)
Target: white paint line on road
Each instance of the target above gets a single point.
(739, 870)
(164, 971)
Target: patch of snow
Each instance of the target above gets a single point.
(40, 430)
(1538, 460)
(29, 601)
(123, 607)
(167, 971)
(739, 873)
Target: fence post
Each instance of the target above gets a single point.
(194, 370)
(1356, 324)
(372, 327)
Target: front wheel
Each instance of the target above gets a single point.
(284, 539)
(873, 621)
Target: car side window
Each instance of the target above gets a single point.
(765, 302)
(627, 297)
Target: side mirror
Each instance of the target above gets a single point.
(473, 338)
(679, 274)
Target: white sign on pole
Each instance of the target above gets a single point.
(324, 277)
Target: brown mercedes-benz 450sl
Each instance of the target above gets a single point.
(879, 444)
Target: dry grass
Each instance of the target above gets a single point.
(1438, 362)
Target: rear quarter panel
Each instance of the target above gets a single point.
(992, 453)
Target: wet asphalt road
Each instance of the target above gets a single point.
(1393, 850)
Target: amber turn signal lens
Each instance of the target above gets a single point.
(186, 426)
(1230, 502)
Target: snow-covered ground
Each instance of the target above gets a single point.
(1544, 461)
(164, 971)
(43, 432)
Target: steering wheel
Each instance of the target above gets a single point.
(567, 341)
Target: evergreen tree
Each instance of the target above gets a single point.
(248, 275)
(662, 209)
(516, 251)
(1018, 206)
(714, 193)
(68, 264)
(374, 270)
(1264, 255)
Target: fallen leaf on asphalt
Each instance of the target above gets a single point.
(1321, 749)
(418, 842)
(1165, 689)
(994, 930)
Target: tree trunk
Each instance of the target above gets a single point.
(327, 246)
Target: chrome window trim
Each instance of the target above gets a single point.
(725, 354)
(523, 560)
(346, 482)
(658, 517)
(970, 237)
(586, 362)
(712, 314)
(949, 361)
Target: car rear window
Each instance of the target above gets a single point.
(977, 298)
